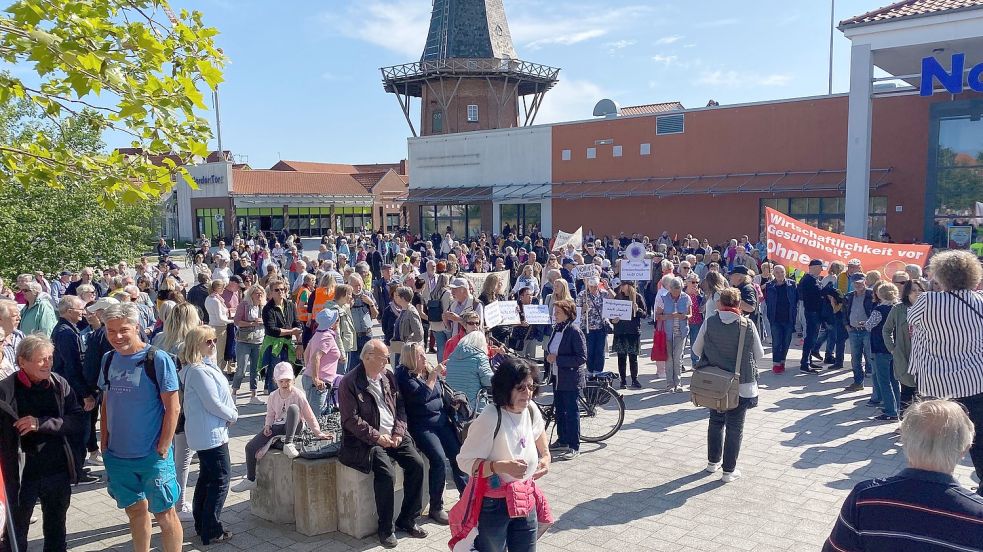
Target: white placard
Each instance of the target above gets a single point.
(536, 314)
(587, 271)
(501, 313)
(478, 280)
(616, 308)
(636, 270)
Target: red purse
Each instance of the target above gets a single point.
(659, 350)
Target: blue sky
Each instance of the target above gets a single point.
(303, 81)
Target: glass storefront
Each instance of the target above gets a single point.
(252, 221)
(353, 219)
(826, 213)
(393, 221)
(521, 216)
(464, 220)
(955, 179)
(210, 223)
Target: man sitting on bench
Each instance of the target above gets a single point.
(374, 436)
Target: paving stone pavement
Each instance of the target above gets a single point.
(805, 446)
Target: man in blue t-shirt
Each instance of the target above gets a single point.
(139, 417)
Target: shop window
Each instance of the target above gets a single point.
(464, 220)
(210, 223)
(826, 213)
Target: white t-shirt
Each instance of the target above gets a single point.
(386, 418)
(516, 439)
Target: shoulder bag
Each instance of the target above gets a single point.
(716, 388)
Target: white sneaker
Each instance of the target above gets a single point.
(243, 486)
(184, 514)
(712, 467)
(730, 476)
(290, 450)
(95, 458)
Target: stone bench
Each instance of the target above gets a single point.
(357, 515)
(297, 491)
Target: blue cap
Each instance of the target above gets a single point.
(326, 318)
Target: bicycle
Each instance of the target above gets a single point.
(601, 407)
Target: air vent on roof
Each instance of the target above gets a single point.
(669, 124)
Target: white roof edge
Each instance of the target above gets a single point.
(911, 21)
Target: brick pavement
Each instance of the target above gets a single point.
(805, 447)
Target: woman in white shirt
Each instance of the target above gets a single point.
(507, 444)
(218, 318)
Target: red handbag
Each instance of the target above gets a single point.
(659, 350)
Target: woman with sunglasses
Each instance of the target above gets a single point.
(507, 445)
(282, 329)
(209, 409)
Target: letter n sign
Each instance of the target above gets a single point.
(952, 80)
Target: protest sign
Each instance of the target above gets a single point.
(536, 314)
(563, 239)
(636, 270)
(501, 313)
(587, 271)
(478, 280)
(616, 308)
(793, 243)
(960, 237)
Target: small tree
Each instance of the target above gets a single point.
(133, 66)
(63, 225)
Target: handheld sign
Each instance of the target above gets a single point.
(501, 313)
(536, 314)
(616, 308)
(636, 270)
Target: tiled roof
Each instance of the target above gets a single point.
(651, 108)
(910, 8)
(308, 166)
(269, 182)
(368, 179)
(381, 167)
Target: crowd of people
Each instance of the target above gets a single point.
(157, 363)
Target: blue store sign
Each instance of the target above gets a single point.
(952, 80)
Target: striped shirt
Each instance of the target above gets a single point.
(916, 510)
(946, 349)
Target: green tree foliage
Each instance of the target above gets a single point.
(134, 65)
(960, 182)
(51, 227)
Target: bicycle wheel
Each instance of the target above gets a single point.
(602, 415)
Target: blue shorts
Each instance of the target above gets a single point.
(150, 478)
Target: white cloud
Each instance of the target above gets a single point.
(397, 25)
(619, 45)
(672, 39)
(566, 39)
(735, 79)
(536, 25)
(570, 100)
(664, 59)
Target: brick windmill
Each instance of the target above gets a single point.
(469, 77)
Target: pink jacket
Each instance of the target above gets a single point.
(276, 407)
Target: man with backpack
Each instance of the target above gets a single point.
(139, 416)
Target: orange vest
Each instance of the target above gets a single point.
(321, 298)
(302, 313)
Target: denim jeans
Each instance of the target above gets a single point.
(694, 331)
(811, 335)
(497, 531)
(247, 354)
(859, 347)
(315, 397)
(441, 447)
(781, 340)
(974, 407)
(726, 446)
(214, 472)
(886, 384)
(182, 467)
(55, 493)
(596, 340)
(440, 340)
(567, 415)
(675, 344)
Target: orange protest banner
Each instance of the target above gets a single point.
(793, 243)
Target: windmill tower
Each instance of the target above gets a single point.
(469, 77)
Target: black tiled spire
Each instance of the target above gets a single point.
(473, 29)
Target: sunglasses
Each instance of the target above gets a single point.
(528, 387)
(281, 290)
(211, 341)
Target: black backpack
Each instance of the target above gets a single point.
(435, 308)
(150, 369)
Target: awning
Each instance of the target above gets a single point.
(450, 195)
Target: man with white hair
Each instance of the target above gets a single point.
(38, 316)
(9, 320)
(923, 507)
